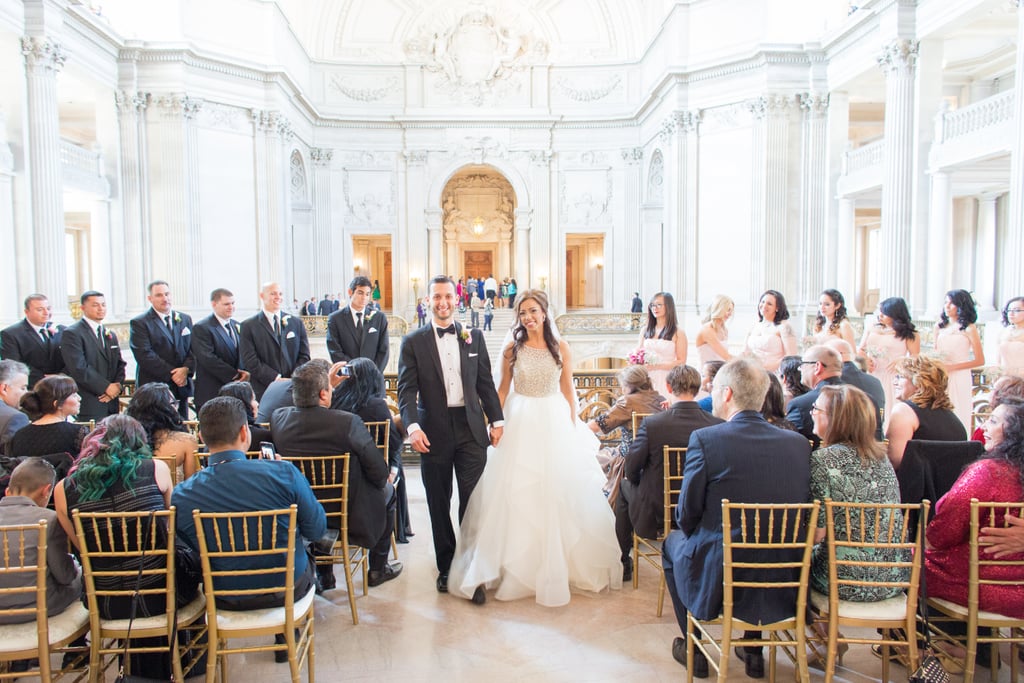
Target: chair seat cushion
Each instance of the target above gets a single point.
(19, 637)
(894, 609)
(961, 611)
(186, 615)
(241, 620)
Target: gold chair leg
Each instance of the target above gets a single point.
(347, 564)
(661, 594)
(636, 563)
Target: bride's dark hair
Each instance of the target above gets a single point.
(519, 333)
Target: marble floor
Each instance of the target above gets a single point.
(408, 632)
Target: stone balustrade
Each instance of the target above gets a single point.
(976, 117)
(865, 156)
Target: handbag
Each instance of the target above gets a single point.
(930, 669)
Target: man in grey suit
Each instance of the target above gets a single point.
(864, 381)
(819, 366)
(745, 460)
(357, 331)
(13, 385)
(92, 357)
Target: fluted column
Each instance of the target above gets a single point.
(899, 61)
(547, 271)
(845, 275)
(813, 196)
(435, 243)
(44, 58)
(985, 254)
(940, 242)
(681, 237)
(769, 200)
(9, 310)
(270, 128)
(524, 223)
(324, 250)
(631, 249)
(1013, 248)
(131, 116)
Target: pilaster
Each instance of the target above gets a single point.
(323, 248)
(270, 130)
(633, 243)
(131, 116)
(1012, 250)
(680, 254)
(813, 196)
(985, 255)
(545, 273)
(524, 224)
(940, 242)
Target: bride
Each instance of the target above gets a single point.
(537, 522)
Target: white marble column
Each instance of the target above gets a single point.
(840, 252)
(435, 243)
(846, 234)
(548, 264)
(940, 242)
(44, 58)
(898, 60)
(134, 189)
(681, 247)
(524, 223)
(813, 197)
(324, 250)
(9, 309)
(629, 252)
(269, 129)
(769, 200)
(985, 254)
(1012, 250)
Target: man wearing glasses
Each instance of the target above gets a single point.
(819, 367)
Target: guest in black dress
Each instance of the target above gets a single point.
(52, 401)
(921, 407)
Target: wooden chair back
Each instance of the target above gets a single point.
(674, 459)
(172, 465)
(381, 431)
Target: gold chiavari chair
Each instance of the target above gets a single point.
(381, 431)
(649, 549)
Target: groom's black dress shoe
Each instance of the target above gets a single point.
(442, 583)
(479, 596)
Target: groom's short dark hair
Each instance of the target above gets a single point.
(441, 280)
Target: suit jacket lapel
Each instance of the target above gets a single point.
(157, 320)
(270, 328)
(435, 353)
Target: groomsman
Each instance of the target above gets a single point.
(215, 347)
(35, 341)
(272, 343)
(161, 341)
(326, 306)
(357, 331)
(92, 357)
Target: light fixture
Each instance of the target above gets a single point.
(599, 264)
(357, 265)
(478, 226)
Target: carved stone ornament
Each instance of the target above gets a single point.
(475, 51)
(128, 102)
(633, 155)
(43, 53)
(321, 156)
(458, 222)
(587, 203)
(371, 91)
(899, 57)
(298, 177)
(479, 149)
(416, 157)
(589, 92)
(176, 105)
(656, 178)
(774, 104)
(270, 122)
(814, 105)
(541, 157)
(369, 203)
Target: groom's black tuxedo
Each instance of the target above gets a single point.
(458, 436)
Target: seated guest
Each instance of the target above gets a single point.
(820, 367)
(311, 428)
(921, 407)
(791, 377)
(156, 409)
(866, 382)
(1007, 386)
(710, 369)
(50, 404)
(641, 502)
(122, 476)
(233, 483)
(773, 410)
(277, 395)
(13, 385)
(361, 392)
(243, 391)
(851, 467)
(747, 461)
(27, 496)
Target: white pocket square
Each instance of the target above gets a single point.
(473, 355)
(185, 332)
(289, 335)
(371, 330)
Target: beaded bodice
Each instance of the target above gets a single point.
(535, 372)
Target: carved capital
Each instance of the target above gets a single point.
(774, 104)
(899, 57)
(270, 122)
(633, 155)
(814, 105)
(128, 102)
(43, 53)
(540, 157)
(416, 157)
(177, 105)
(321, 157)
(686, 121)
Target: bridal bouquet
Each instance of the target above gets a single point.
(642, 357)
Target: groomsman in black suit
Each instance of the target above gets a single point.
(34, 341)
(326, 306)
(215, 341)
(161, 341)
(92, 357)
(272, 343)
(357, 331)
(445, 389)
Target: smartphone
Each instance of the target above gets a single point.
(344, 371)
(267, 451)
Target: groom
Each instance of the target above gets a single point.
(446, 366)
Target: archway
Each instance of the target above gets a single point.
(478, 220)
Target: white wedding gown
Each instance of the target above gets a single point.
(537, 522)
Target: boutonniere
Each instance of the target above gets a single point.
(177, 317)
(368, 315)
(109, 335)
(465, 336)
(285, 319)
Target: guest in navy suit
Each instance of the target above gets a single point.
(820, 366)
(92, 357)
(34, 341)
(215, 347)
(161, 341)
(745, 460)
(272, 343)
(358, 331)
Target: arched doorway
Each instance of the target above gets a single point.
(478, 205)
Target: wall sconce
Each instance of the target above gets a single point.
(357, 265)
(415, 287)
(599, 264)
(543, 282)
(478, 226)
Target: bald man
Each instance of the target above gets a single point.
(819, 367)
(273, 342)
(864, 381)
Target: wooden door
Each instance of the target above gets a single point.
(385, 283)
(478, 264)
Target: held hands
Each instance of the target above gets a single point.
(1003, 541)
(496, 433)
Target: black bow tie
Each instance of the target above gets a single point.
(441, 331)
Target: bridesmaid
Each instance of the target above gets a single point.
(832, 322)
(712, 338)
(1011, 341)
(772, 337)
(663, 339)
(959, 349)
(892, 337)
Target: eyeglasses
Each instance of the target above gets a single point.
(657, 305)
(1015, 310)
(808, 362)
(817, 409)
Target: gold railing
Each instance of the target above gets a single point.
(598, 323)
(316, 325)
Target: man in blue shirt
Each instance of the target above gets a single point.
(232, 483)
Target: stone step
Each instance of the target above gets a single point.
(503, 319)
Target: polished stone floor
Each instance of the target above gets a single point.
(408, 632)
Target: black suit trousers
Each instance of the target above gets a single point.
(466, 459)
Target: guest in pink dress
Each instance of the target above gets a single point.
(831, 322)
(891, 338)
(772, 336)
(999, 477)
(959, 348)
(1011, 341)
(663, 340)
(713, 336)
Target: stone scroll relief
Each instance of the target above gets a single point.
(367, 89)
(476, 52)
(586, 91)
(584, 197)
(370, 198)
